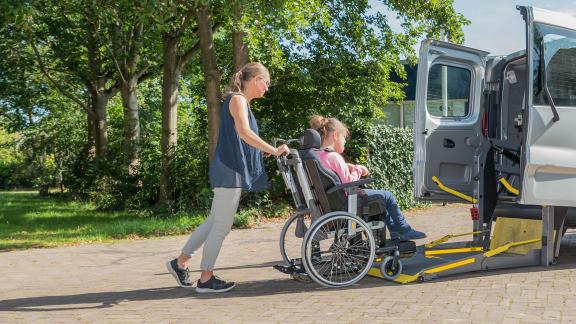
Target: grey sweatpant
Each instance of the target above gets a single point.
(213, 231)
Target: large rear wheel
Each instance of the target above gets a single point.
(338, 250)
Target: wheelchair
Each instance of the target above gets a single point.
(336, 231)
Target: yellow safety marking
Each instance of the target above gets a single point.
(404, 279)
(509, 187)
(375, 272)
(459, 250)
(451, 265)
(447, 237)
(453, 192)
(507, 246)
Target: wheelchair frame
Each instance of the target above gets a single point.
(357, 236)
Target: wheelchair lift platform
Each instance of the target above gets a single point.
(515, 243)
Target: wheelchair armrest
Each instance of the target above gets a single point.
(352, 184)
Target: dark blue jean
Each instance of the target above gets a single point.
(394, 218)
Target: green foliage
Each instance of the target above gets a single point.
(11, 160)
(388, 156)
(325, 57)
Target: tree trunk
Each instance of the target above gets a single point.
(239, 47)
(91, 125)
(131, 126)
(44, 186)
(170, 79)
(126, 48)
(211, 76)
(99, 107)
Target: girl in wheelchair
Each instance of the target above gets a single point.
(334, 133)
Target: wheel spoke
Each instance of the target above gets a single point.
(343, 260)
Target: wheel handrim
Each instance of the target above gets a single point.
(336, 257)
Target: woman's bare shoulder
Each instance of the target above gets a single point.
(237, 101)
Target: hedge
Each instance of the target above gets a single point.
(388, 156)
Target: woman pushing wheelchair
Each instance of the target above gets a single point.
(237, 166)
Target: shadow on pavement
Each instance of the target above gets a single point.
(101, 300)
(273, 287)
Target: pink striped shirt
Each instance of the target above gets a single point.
(346, 172)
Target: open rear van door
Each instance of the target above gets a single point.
(447, 128)
(549, 155)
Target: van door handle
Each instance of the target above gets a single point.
(449, 143)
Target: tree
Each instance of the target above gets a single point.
(343, 68)
(211, 74)
(132, 40)
(179, 45)
(239, 45)
(68, 40)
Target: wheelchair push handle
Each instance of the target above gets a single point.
(276, 141)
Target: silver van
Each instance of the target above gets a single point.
(500, 132)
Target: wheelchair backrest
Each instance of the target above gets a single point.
(321, 178)
(287, 167)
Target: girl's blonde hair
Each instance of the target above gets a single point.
(245, 74)
(326, 126)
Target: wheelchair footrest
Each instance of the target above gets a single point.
(295, 270)
(403, 247)
(406, 247)
(293, 267)
(287, 269)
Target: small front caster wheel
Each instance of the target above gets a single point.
(391, 268)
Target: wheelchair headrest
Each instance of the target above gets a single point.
(310, 139)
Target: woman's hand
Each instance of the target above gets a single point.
(281, 150)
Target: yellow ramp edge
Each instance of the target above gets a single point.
(510, 245)
(404, 278)
(451, 265)
(459, 250)
(448, 237)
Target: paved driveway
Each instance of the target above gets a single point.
(127, 282)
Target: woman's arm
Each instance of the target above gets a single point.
(239, 111)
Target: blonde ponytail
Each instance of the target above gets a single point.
(326, 126)
(245, 74)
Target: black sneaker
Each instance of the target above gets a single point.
(181, 275)
(215, 285)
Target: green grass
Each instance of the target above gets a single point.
(30, 221)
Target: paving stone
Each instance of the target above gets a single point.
(127, 282)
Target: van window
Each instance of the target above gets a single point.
(448, 91)
(559, 46)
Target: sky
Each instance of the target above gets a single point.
(496, 26)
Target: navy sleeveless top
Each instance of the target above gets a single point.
(236, 164)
